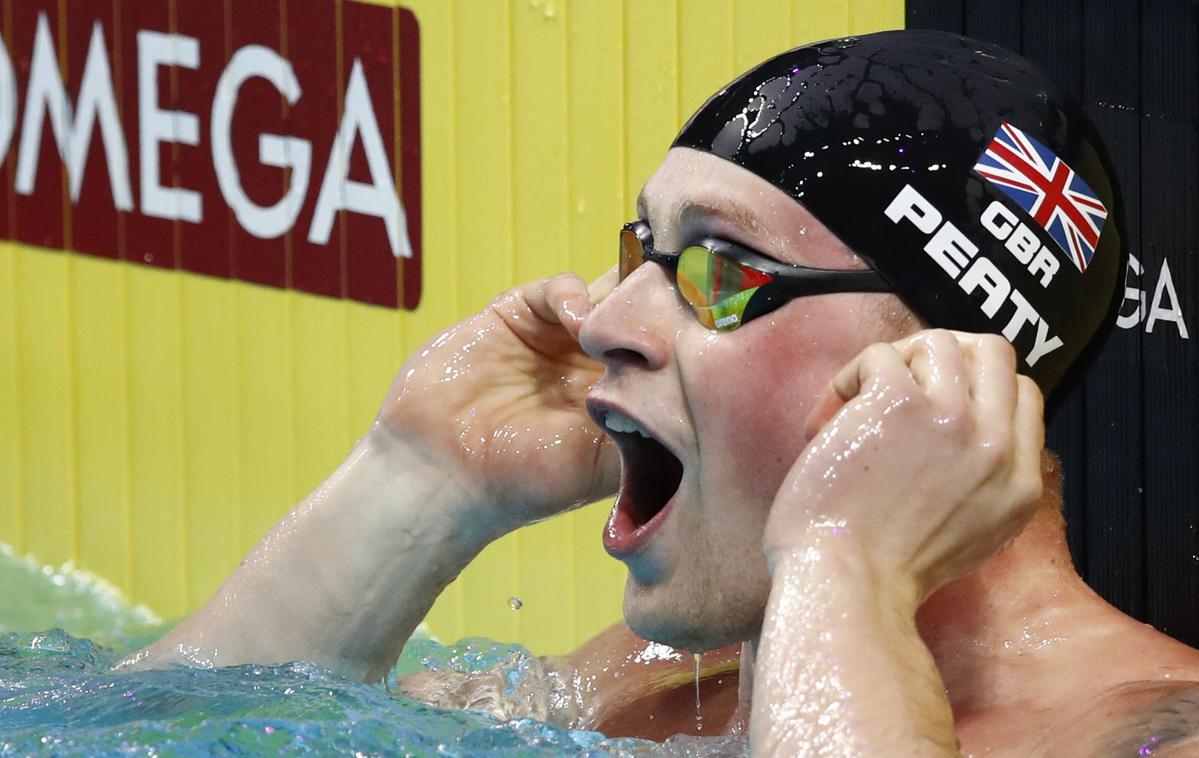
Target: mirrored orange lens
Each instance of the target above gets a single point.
(717, 288)
(712, 278)
(631, 253)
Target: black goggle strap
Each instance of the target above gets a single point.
(801, 282)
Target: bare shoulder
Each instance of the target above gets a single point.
(1154, 718)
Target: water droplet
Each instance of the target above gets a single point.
(515, 603)
(699, 716)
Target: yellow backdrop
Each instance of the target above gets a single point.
(154, 424)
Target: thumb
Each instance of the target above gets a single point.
(828, 402)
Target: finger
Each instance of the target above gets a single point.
(601, 287)
(827, 404)
(877, 362)
(567, 297)
(1029, 423)
(533, 295)
(550, 299)
(938, 364)
(992, 362)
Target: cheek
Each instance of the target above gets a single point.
(752, 425)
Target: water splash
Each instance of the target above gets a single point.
(37, 597)
(60, 695)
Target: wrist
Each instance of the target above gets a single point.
(829, 551)
(419, 493)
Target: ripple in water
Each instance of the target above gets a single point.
(58, 696)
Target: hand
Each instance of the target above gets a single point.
(497, 401)
(924, 453)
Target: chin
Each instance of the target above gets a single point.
(659, 615)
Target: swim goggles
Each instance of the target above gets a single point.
(728, 285)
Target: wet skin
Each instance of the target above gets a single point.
(418, 498)
(1035, 663)
(729, 406)
(1008, 640)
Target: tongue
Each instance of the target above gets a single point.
(654, 476)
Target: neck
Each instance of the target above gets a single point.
(1005, 629)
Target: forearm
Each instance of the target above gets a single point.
(841, 669)
(345, 577)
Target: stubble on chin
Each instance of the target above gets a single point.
(695, 618)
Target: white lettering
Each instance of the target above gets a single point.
(1136, 294)
(337, 190)
(273, 150)
(1172, 313)
(46, 94)
(1043, 346)
(1023, 244)
(1024, 314)
(97, 100)
(157, 126)
(8, 101)
(1020, 241)
(992, 218)
(1047, 263)
(913, 206)
(984, 273)
(951, 249)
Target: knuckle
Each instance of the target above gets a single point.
(993, 455)
(925, 339)
(936, 343)
(939, 335)
(509, 298)
(1026, 386)
(995, 342)
(563, 282)
(997, 434)
(877, 351)
(956, 419)
(998, 347)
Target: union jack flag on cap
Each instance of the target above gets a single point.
(1047, 188)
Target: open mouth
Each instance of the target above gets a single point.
(650, 473)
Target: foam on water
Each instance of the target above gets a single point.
(58, 695)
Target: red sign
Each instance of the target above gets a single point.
(273, 142)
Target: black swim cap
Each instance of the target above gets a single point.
(974, 185)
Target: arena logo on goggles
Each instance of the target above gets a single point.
(276, 143)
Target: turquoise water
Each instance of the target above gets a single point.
(57, 696)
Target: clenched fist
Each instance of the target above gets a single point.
(925, 453)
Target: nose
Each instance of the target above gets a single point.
(631, 327)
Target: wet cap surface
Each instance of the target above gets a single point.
(966, 178)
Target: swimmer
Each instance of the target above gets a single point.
(840, 470)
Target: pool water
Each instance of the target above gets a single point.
(57, 695)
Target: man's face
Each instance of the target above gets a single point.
(730, 407)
